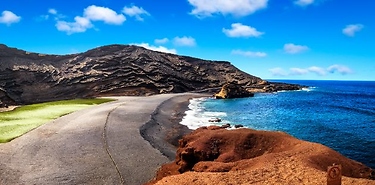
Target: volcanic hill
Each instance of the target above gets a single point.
(27, 77)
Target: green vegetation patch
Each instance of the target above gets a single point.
(25, 118)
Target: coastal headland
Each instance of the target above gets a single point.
(128, 140)
(214, 155)
(114, 70)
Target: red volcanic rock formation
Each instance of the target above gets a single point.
(255, 157)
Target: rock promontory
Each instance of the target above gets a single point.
(214, 155)
(233, 90)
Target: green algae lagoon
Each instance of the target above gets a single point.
(25, 118)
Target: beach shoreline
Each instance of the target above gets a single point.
(99, 144)
(140, 135)
(164, 129)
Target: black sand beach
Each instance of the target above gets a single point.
(163, 130)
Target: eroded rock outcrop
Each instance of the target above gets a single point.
(261, 157)
(233, 90)
(266, 86)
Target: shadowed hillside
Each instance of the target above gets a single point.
(109, 70)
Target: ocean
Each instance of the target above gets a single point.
(338, 114)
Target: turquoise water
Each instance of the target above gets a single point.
(338, 114)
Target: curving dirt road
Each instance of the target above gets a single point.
(98, 145)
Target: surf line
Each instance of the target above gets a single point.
(105, 142)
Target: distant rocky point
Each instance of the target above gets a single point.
(233, 90)
(27, 77)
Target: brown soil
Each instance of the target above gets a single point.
(213, 155)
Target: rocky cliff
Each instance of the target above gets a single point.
(214, 155)
(109, 70)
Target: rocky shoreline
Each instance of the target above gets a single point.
(214, 155)
(163, 131)
(143, 134)
(208, 155)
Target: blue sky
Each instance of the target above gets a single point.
(272, 39)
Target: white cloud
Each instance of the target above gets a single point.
(81, 24)
(352, 29)
(317, 70)
(52, 11)
(42, 18)
(294, 49)
(298, 71)
(344, 70)
(240, 30)
(239, 8)
(184, 41)
(97, 13)
(161, 41)
(156, 48)
(303, 2)
(278, 71)
(249, 53)
(136, 12)
(8, 18)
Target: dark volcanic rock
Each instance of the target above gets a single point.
(109, 70)
(266, 86)
(238, 126)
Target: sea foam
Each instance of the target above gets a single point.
(196, 116)
(342, 111)
(306, 89)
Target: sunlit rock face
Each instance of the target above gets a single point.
(212, 155)
(233, 90)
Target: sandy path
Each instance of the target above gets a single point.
(98, 145)
(3, 109)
